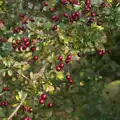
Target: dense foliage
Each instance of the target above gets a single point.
(59, 59)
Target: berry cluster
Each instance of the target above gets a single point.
(61, 66)
(68, 77)
(42, 100)
(102, 52)
(25, 108)
(6, 89)
(4, 103)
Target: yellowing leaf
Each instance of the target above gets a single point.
(9, 72)
(50, 88)
(26, 67)
(14, 105)
(81, 83)
(17, 98)
(109, 1)
(97, 26)
(60, 75)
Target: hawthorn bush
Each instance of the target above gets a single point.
(59, 59)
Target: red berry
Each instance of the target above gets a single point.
(30, 109)
(27, 43)
(33, 48)
(60, 58)
(51, 9)
(87, 9)
(91, 20)
(22, 15)
(14, 45)
(64, 2)
(68, 77)
(24, 47)
(66, 15)
(69, 56)
(67, 61)
(54, 27)
(70, 81)
(54, 17)
(18, 41)
(93, 14)
(109, 52)
(103, 5)
(25, 39)
(77, 3)
(87, 2)
(61, 65)
(25, 108)
(5, 103)
(50, 105)
(58, 68)
(35, 57)
(45, 3)
(32, 20)
(41, 101)
(29, 118)
(43, 96)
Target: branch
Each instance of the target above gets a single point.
(2, 94)
(17, 108)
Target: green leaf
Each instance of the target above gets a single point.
(96, 3)
(62, 26)
(10, 73)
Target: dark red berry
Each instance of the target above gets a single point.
(67, 60)
(87, 9)
(33, 48)
(54, 17)
(93, 14)
(103, 5)
(32, 20)
(24, 47)
(35, 57)
(91, 20)
(27, 43)
(54, 27)
(22, 15)
(6, 103)
(66, 15)
(61, 65)
(14, 45)
(51, 9)
(25, 39)
(64, 2)
(69, 56)
(29, 119)
(58, 68)
(25, 108)
(43, 96)
(50, 105)
(45, 3)
(70, 81)
(30, 109)
(68, 77)
(60, 58)
(41, 101)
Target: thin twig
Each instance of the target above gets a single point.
(17, 108)
(2, 94)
